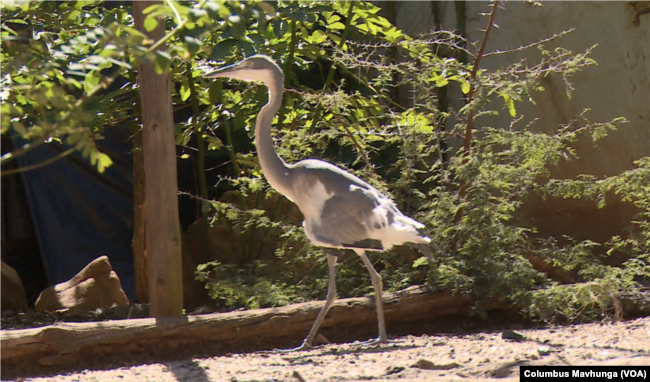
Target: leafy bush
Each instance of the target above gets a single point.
(343, 63)
(487, 247)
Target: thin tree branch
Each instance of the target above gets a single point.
(40, 164)
(361, 151)
(536, 43)
(467, 144)
(472, 85)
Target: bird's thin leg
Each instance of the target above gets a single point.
(426, 251)
(331, 296)
(377, 285)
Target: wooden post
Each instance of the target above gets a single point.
(140, 263)
(163, 236)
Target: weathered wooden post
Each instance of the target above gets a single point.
(163, 236)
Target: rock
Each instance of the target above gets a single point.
(394, 370)
(297, 376)
(511, 335)
(544, 350)
(506, 369)
(13, 291)
(425, 364)
(96, 286)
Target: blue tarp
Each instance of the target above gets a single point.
(80, 214)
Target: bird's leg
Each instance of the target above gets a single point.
(331, 296)
(377, 285)
(426, 251)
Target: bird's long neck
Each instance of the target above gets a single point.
(275, 169)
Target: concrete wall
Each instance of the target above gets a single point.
(618, 86)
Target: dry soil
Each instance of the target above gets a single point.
(465, 357)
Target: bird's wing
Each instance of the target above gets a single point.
(348, 217)
(343, 211)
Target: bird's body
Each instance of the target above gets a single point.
(341, 211)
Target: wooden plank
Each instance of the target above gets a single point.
(163, 236)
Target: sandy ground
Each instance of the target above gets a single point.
(471, 357)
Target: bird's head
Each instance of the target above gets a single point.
(254, 68)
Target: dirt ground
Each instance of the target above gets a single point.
(468, 357)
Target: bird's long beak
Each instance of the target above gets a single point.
(221, 72)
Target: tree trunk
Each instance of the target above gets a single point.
(140, 263)
(163, 240)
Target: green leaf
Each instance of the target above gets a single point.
(163, 60)
(510, 104)
(246, 47)
(318, 37)
(213, 9)
(214, 91)
(280, 27)
(73, 139)
(135, 37)
(91, 80)
(20, 128)
(464, 87)
(441, 82)
(103, 162)
(222, 49)
(185, 92)
(192, 44)
(196, 14)
(150, 23)
(422, 261)
(237, 25)
(214, 143)
(333, 18)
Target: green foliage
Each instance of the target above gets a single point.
(342, 63)
(232, 287)
(486, 246)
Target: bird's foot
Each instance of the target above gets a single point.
(373, 342)
(305, 346)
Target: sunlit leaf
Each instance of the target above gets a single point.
(91, 80)
(103, 162)
(150, 23)
(464, 87)
(185, 92)
(510, 104)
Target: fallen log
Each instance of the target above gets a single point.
(68, 346)
(65, 343)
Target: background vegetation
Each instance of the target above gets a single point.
(66, 79)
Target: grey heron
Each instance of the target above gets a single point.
(340, 210)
